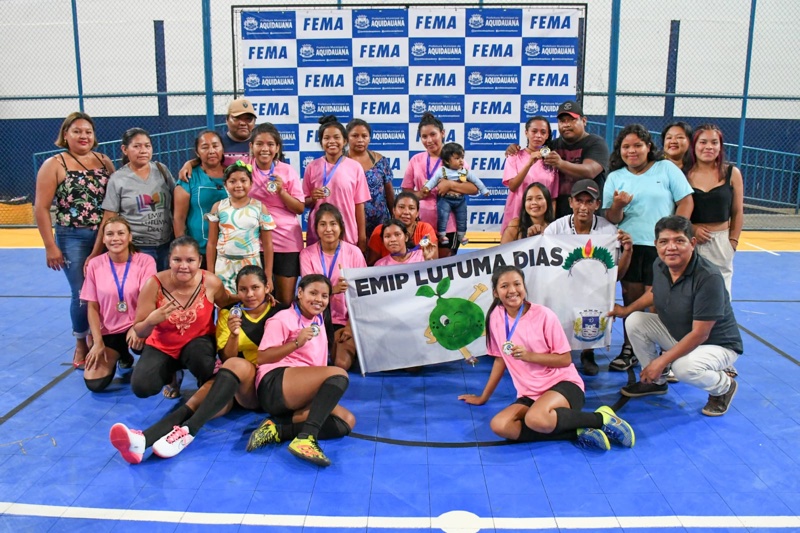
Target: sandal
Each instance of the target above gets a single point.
(173, 390)
(79, 355)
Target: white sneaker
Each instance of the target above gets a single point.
(129, 443)
(173, 442)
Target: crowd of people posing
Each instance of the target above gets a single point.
(209, 271)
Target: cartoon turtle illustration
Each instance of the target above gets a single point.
(455, 322)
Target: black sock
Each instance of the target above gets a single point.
(327, 397)
(100, 384)
(333, 428)
(288, 430)
(529, 435)
(226, 383)
(573, 419)
(165, 425)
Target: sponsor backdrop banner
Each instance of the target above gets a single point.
(433, 312)
(483, 72)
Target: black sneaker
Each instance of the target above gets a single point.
(643, 389)
(718, 405)
(624, 360)
(588, 366)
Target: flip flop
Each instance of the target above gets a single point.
(173, 390)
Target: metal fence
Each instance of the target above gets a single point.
(145, 64)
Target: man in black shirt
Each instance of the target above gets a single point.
(694, 322)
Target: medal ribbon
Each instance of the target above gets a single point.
(121, 286)
(316, 320)
(326, 178)
(240, 306)
(398, 254)
(428, 166)
(510, 333)
(328, 272)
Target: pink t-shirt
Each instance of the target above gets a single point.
(349, 257)
(538, 172)
(100, 287)
(288, 235)
(348, 187)
(415, 257)
(415, 178)
(538, 331)
(284, 327)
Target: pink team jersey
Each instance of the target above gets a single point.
(348, 187)
(416, 257)
(539, 331)
(288, 235)
(349, 257)
(415, 178)
(284, 327)
(538, 172)
(100, 287)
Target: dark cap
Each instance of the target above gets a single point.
(588, 186)
(570, 107)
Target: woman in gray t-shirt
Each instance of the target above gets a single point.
(141, 191)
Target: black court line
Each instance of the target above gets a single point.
(769, 345)
(6, 417)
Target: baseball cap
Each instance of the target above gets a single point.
(587, 186)
(241, 106)
(570, 107)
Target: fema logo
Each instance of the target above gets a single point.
(418, 50)
(531, 107)
(418, 106)
(307, 51)
(476, 21)
(250, 24)
(362, 22)
(362, 79)
(307, 160)
(474, 134)
(308, 108)
(476, 78)
(252, 81)
(532, 50)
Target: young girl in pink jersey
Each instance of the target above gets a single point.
(111, 290)
(328, 257)
(295, 385)
(529, 340)
(335, 178)
(401, 248)
(277, 185)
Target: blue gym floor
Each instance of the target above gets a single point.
(419, 460)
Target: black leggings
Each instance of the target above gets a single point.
(155, 368)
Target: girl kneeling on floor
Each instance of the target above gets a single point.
(239, 332)
(529, 340)
(294, 384)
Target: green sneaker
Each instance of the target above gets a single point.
(616, 428)
(267, 433)
(308, 449)
(593, 438)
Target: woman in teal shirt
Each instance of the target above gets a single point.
(193, 199)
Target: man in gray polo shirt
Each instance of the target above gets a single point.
(693, 324)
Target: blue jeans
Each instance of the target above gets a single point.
(76, 244)
(445, 204)
(160, 253)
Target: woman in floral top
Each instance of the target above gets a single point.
(378, 171)
(76, 179)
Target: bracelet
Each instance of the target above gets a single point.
(734, 240)
(296, 344)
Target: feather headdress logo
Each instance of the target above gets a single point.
(597, 253)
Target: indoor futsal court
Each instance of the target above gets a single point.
(419, 459)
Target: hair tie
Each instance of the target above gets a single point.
(240, 163)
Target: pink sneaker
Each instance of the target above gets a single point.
(173, 442)
(129, 443)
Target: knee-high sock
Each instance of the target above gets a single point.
(174, 418)
(226, 383)
(329, 394)
(567, 423)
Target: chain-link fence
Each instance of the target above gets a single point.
(142, 64)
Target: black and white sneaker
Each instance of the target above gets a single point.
(625, 360)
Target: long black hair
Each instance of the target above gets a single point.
(499, 271)
(616, 162)
(269, 129)
(525, 220)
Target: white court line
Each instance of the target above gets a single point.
(450, 521)
(760, 248)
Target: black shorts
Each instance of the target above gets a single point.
(270, 393)
(641, 268)
(286, 264)
(119, 343)
(574, 395)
